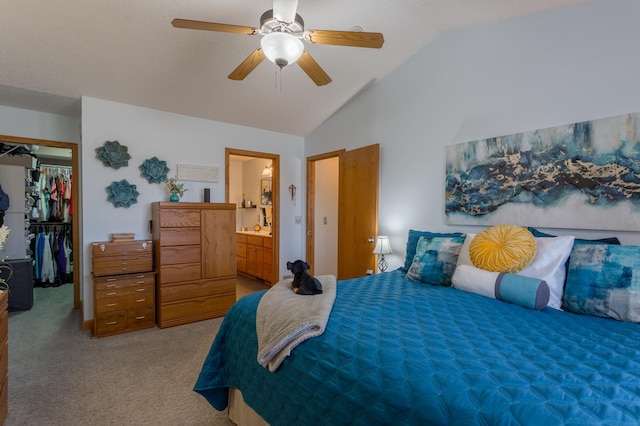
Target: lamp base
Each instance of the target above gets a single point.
(382, 264)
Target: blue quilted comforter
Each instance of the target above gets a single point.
(401, 352)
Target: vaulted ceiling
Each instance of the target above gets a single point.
(54, 52)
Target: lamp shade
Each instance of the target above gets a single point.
(281, 48)
(383, 246)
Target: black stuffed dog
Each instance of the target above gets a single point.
(303, 283)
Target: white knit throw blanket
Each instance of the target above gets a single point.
(285, 319)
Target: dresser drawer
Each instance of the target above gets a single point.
(137, 319)
(179, 236)
(178, 273)
(4, 322)
(4, 396)
(110, 294)
(122, 265)
(106, 249)
(121, 281)
(254, 240)
(111, 323)
(209, 307)
(4, 359)
(241, 249)
(241, 238)
(188, 290)
(179, 254)
(179, 218)
(126, 298)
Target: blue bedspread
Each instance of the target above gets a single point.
(401, 352)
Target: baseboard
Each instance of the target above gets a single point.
(87, 325)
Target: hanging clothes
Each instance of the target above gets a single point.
(54, 193)
(52, 254)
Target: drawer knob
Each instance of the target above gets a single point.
(140, 318)
(141, 300)
(112, 322)
(144, 245)
(102, 247)
(112, 304)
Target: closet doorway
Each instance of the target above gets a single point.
(54, 154)
(263, 193)
(353, 175)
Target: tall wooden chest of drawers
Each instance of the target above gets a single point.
(4, 355)
(195, 252)
(123, 287)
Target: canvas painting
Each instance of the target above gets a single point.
(579, 176)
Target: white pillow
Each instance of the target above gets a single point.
(548, 265)
(464, 258)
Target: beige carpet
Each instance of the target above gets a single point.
(59, 375)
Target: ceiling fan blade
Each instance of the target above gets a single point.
(346, 38)
(248, 65)
(313, 70)
(285, 10)
(212, 26)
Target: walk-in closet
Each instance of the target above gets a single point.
(37, 181)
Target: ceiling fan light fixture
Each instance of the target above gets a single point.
(282, 48)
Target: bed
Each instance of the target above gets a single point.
(398, 351)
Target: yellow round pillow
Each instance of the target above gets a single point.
(503, 248)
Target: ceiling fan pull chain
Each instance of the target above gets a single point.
(275, 78)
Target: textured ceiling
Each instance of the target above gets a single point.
(54, 52)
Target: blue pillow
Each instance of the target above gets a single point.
(609, 240)
(532, 293)
(435, 259)
(412, 243)
(604, 281)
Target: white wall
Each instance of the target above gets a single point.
(552, 68)
(12, 183)
(175, 139)
(325, 260)
(38, 125)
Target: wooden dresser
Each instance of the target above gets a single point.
(4, 354)
(255, 255)
(195, 252)
(123, 287)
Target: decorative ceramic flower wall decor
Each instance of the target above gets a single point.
(154, 170)
(112, 154)
(122, 194)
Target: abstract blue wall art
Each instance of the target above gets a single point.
(582, 176)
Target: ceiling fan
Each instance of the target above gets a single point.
(282, 31)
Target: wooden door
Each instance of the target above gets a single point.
(357, 211)
(218, 241)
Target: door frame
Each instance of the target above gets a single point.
(311, 202)
(75, 205)
(342, 155)
(275, 198)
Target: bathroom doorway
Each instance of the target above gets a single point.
(252, 183)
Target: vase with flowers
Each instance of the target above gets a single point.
(176, 189)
